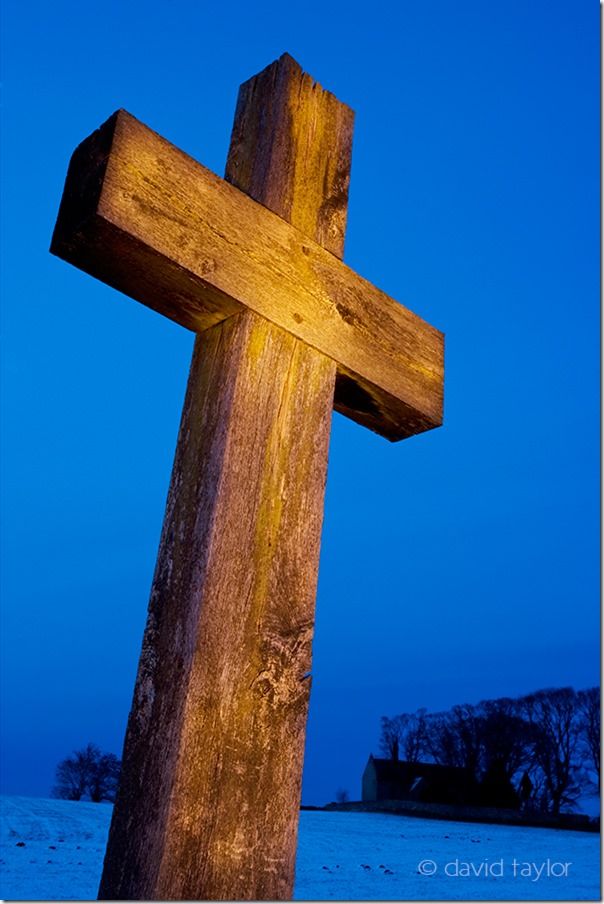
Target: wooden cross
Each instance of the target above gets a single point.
(210, 791)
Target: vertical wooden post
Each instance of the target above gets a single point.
(209, 797)
(291, 150)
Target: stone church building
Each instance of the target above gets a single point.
(387, 779)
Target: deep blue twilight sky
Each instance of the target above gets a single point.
(458, 565)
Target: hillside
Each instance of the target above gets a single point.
(51, 849)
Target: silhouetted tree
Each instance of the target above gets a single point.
(404, 734)
(453, 738)
(73, 773)
(551, 736)
(70, 780)
(104, 778)
(414, 737)
(553, 716)
(342, 796)
(390, 737)
(87, 772)
(539, 799)
(589, 726)
(505, 748)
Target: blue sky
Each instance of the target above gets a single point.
(457, 565)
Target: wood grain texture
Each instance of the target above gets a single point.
(208, 801)
(149, 220)
(209, 798)
(291, 150)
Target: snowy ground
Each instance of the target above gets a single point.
(52, 849)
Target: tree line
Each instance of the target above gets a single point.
(547, 741)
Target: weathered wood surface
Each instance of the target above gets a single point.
(209, 799)
(150, 221)
(272, 160)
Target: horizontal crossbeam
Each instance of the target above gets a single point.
(150, 221)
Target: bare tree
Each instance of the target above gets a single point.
(104, 778)
(539, 799)
(342, 796)
(414, 737)
(552, 735)
(589, 724)
(454, 737)
(553, 715)
(390, 737)
(406, 734)
(506, 737)
(70, 780)
(87, 772)
(505, 749)
(73, 773)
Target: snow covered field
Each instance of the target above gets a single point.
(51, 849)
